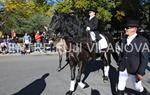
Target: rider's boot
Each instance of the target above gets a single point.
(119, 92)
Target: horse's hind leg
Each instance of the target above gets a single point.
(106, 60)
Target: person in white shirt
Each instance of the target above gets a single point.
(27, 42)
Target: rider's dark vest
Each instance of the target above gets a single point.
(93, 24)
(134, 56)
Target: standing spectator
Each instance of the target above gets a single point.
(43, 40)
(8, 39)
(7, 42)
(17, 47)
(27, 42)
(13, 42)
(13, 45)
(38, 38)
(3, 45)
(133, 59)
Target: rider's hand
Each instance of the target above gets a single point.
(88, 29)
(138, 77)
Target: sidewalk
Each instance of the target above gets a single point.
(33, 53)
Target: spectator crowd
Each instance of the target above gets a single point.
(26, 44)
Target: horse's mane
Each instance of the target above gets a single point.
(72, 27)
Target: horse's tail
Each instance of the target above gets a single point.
(112, 47)
(110, 40)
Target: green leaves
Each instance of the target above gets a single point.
(82, 4)
(35, 14)
(104, 7)
(25, 16)
(104, 14)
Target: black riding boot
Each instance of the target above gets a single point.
(120, 92)
(98, 37)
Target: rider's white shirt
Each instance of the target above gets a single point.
(91, 17)
(129, 39)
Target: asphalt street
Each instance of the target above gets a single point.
(37, 75)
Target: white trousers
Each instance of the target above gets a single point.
(102, 43)
(123, 76)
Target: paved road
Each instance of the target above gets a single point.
(22, 74)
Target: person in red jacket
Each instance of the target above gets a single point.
(38, 38)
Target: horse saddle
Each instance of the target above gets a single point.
(102, 42)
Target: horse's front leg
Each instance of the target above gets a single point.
(60, 53)
(73, 82)
(78, 79)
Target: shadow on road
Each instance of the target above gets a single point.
(95, 92)
(97, 65)
(35, 88)
(92, 66)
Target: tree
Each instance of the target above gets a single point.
(24, 16)
(104, 7)
(136, 9)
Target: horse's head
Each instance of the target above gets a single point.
(56, 25)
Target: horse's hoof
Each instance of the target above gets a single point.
(69, 93)
(86, 85)
(105, 79)
(83, 85)
(58, 70)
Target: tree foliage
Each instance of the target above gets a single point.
(33, 15)
(114, 11)
(104, 7)
(133, 9)
(24, 16)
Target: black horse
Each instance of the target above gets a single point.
(70, 32)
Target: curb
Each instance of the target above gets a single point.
(34, 53)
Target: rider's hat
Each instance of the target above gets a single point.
(93, 10)
(132, 23)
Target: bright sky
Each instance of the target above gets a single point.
(52, 1)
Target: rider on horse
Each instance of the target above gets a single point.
(92, 25)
